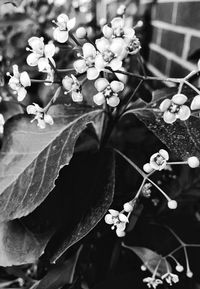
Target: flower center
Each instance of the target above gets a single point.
(159, 160)
(108, 55)
(119, 32)
(90, 61)
(174, 108)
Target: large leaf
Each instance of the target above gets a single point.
(151, 259)
(31, 158)
(181, 137)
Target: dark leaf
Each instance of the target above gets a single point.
(151, 259)
(61, 274)
(31, 158)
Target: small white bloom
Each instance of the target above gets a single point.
(61, 33)
(18, 81)
(152, 282)
(170, 278)
(159, 160)
(87, 63)
(117, 28)
(2, 122)
(41, 117)
(175, 108)
(71, 84)
(40, 54)
(107, 92)
(118, 221)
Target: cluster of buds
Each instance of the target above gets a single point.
(119, 220)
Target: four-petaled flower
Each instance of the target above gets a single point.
(117, 28)
(41, 54)
(112, 52)
(71, 84)
(18, 81)
(118, 221)
(107, 92)
(170, 278)
(40, 115)
(175, 108)
(158, 161)
(87, 63)
(152, 282)
(61, 33)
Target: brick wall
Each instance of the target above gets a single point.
(175, 35)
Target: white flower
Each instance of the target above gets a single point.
(87, 63)
(71, 84)
(18, 82)
(133, 45)
(152, 282)
(61, 33)
(175, 108)
(170, 278)
(118, 221)
(111, 53)
(159, 160)
(117, 28)
(2, 121)
(41, 53)
(107, 92)
(41, 117)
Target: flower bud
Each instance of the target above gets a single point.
(193, 162)
(108, 219)
(172, 204)
(143, 268)
(147, 168)
(179, 268)
(128, 207)
(189, 274)
(120, 233)
(81, 33)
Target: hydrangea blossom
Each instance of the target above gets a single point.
(18, 81)
(152, 282)
(118, 221)
(107, 92)
(87, 63)
(175, 108)
(41, 117)
(112, 52)
(2, 121)
(71, 84)
(64, 25)
(41, 53)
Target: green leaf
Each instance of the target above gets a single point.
(151, 259)
(60, 274)
(181, 137)
(31, 158)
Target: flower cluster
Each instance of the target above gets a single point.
(18, 81)
(119, 220)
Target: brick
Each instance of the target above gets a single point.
(164, 12)
(172, 41)
(177, 70)
(188, 14)
(158, 61)
(156, 35)
(194, 45)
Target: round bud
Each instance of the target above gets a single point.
(179, 268)
(120, 233)
(128, 207)
(147, 168)
(172, 204)
(189, 274)
(108, 219)
(193, 162)
(102, 21)
(143, 268)
(81, 33)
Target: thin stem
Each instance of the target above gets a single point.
(53, 67)
(177, 163)
(174, 251)
(140, 188)
(175, 235)
(74, 39)
(66, 70)
(53, 99)
(186, 259)
(142, 64)
(131, 163)
(43, 81)
(162, 192)
(192, 245)
(173, 258)
(192, 86)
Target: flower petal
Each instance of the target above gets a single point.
(179, 98)
(25, 79)
(101, 83)
(102, 44)
(164, 154)
(113, 101)
(77, 96)
(184, 112)
(32, 59)
(21, 93)
(195, 103)
(165, 104)
(92, 73)
(99, 62)
(99, 98)
(60, 35)
(43, 64)
(169, 117)
(80, 65)
(71, 23)
(115, 64)
(117, 86)
(117, 22)
(88, 50)
(49, 50)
